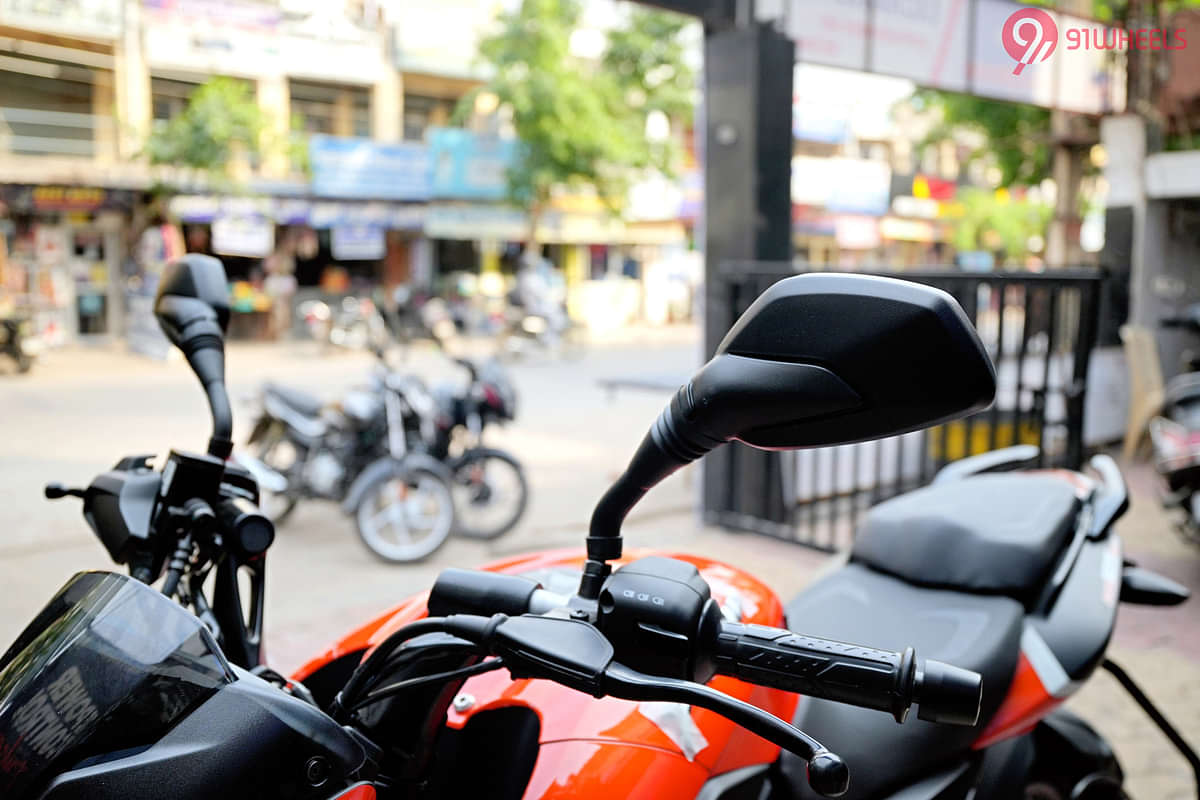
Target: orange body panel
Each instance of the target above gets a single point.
(594, 748)
(582, 769)
(1025, 704)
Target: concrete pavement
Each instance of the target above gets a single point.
(80, 410)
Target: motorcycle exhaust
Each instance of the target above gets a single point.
(267, 478)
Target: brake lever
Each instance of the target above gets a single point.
(577, 655)
(827, 772)
(54, 491)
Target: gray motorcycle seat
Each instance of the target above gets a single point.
(989, 534)
(859, 605)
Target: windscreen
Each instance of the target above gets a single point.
(108, 665)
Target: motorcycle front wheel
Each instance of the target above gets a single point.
(406, 514)
(490, 493)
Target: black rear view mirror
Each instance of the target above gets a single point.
(817, 359)
(192, 308)
(832, 358)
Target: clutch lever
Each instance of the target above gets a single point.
(827, 772)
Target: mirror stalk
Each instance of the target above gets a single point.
(209, 365)
(668, 445)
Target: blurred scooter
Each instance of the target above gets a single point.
(1176, 433)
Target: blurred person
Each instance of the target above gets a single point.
(539, 291)
(159, 243)
(279, 285)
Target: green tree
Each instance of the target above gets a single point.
(1016, 136)
(998, 221)
(646, 58)
(581, 121)
(220, 126)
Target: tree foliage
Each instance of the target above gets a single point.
(1016, 136)
(582, 121)
(220, 122)
(220, 125)
(998, 221)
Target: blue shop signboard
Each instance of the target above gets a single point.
(466, 166)
(361, 168)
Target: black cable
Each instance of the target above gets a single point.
(400, 687)
(349, 693)
(408, 657)
(466, 626)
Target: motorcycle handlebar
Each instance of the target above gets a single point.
(846, 673)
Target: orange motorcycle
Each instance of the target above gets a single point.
(604, 674)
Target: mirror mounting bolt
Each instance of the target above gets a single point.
(596, 572)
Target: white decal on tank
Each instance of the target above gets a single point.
(675, 720)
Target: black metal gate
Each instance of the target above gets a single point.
(1039, 329)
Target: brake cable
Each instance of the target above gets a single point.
(400, 687)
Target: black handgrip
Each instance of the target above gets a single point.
(846, 673)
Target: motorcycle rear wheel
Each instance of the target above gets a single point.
(405, 515)
(481, 477)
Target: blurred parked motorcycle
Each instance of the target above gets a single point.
(355, 324)
(354, 452)
(318, 451)
(1176, 433)
(490, 490)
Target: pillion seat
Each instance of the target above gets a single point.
(987, 534)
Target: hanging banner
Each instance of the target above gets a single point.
(361, 168)
(249, 237)
(357, 242)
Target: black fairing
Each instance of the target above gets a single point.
(1080, 623)
(109, 664)
(501, 747)
(250, 740)
(114, 691)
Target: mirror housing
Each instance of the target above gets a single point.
(835, 358)
(818, 359)
(192, 308)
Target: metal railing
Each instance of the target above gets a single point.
(1038, 328)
